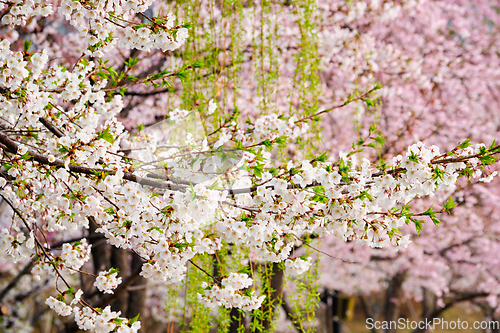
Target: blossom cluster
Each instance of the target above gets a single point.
(19, 13)
(107, 281)
(271, 126)
(144, 39)
(177, 115)
(76, 255)
(106, 17)
(100, 320)
(60, 307)
(231, 293)
(298, 266)
(106, 321)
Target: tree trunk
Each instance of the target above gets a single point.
(137, 292)
(393, 298)
(371, 310)
(237, 320)
(276, 286)
(120, 260)
(100, 256)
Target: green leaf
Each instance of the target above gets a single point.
(437, 173)
(26, 156)
(131, 62)
(323, 157)
(380, 139)
(493, 144)
(267, 143)
(320, 198)
(257, 170)
(118, 321)
(245, 270)
(363, 195)
(158, 229)
(182, 75)
(418, 224)
(71, 290)
(487, 160)
(449, 204)
(27, 45)
(281, 141)
(348, 100)
(165, 83)
(413, 157)
(133, 320)
(114, 270)
(319, 189)
(245, 167)
(106, 135)
(197, 64)
(373, 128)
(464, 144)
(126, 224)
(180, 246)
(429, 212)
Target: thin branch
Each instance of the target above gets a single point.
(12, 284)
(51, 127)
(362, 97)
(217, 280)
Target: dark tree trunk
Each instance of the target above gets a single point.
(370, 308)
(120, 260)
(237, 320)
(289, 314)
(438, 311)
(393, 298)
(137, 292)
(270, 303)
(99, 250)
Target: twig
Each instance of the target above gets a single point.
(51, 127)
(217, 280)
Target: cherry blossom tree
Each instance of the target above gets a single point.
(183, 145)
(452, 264)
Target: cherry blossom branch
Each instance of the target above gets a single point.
(216, 280)
(362, 97)
(13, 146)
(57, 132)
(42, 248)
